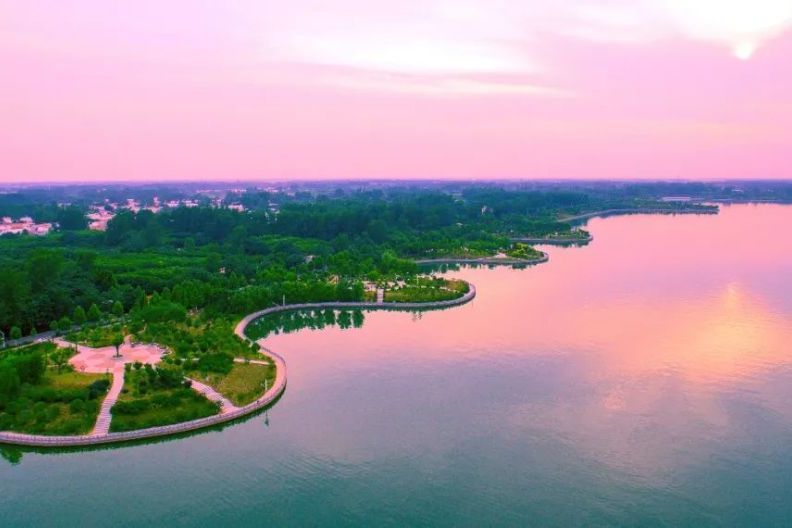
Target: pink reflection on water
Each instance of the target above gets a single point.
(663, 320)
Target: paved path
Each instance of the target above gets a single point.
(253, 361)
(380, 295)
(225, 404)
(103, 359)
(102, 426)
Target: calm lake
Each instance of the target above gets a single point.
(645, 379)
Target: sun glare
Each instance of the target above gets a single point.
(743, 25)
(744, 50)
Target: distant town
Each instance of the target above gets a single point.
(38, 210)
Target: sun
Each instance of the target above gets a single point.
(744, 50)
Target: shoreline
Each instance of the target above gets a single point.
(265, 400)
(636, 210)
(555, 241)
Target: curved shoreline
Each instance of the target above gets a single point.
(272, 394)
(486, 261)
(239, 330)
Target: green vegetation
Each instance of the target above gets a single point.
(40, 394)
(157, 396)
(424, 289)
(101, 336)
(524, 251)
(194, 338)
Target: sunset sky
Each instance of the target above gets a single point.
(309, 89)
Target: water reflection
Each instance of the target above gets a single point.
(288, 322)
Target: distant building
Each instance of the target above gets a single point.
(98, 218)
(24, 225)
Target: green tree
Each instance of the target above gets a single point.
(9, 381)
(79, 315)
(64, 324)
(60, 357)
(118, 309)
(94, 314)
(15, 332)
(71, 218)
(44, 268)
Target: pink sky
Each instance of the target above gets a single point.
(257, 89)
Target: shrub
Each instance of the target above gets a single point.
(97, 388)
(221, 363)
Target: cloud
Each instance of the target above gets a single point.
(414, 54)
(743, 25)
(443, 86)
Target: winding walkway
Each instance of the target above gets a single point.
(226, 405)
(232, 412)
(252, 361)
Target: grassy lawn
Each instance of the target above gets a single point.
(154, 397)
(59, 404)
(243, 385)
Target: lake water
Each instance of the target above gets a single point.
(645, 379)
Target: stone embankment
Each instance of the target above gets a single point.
(243, 324)
(485, 261)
